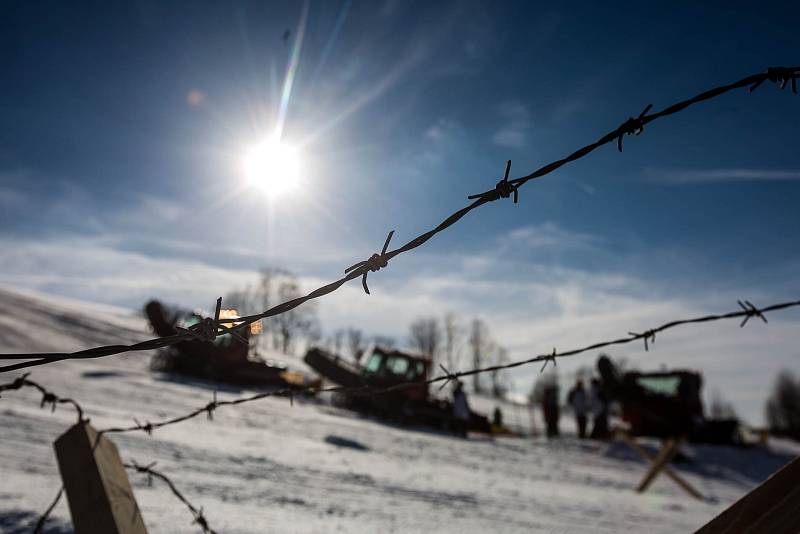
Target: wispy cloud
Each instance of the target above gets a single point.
(698, 176)
(515, 118)
(550, 234)
(442, 130)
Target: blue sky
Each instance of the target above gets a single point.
(124, 128)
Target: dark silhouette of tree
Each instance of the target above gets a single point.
(385, 341)
(452, 340)
(719, 408)
(499, 384)
(481, 344)
(783, 406)
(355, 342)
(276, 285)
(425, 336)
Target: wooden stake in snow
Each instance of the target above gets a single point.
(774, 506)
(98, 491)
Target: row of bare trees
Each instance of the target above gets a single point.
(446, 342)
(285, 330)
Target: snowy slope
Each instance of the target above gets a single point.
(267, 466)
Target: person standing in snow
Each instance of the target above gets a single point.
(550, 408)
(599, 402)
(579, 402)
(460, 410)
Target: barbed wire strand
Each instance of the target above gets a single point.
(48, 397)
(633, 126)
(148, 470)
(37, 529)
(746, 313)
(747, 310)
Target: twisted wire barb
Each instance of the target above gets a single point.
(48, 397)
(148, 470)
(778, 75)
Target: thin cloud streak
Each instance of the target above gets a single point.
(705, 176)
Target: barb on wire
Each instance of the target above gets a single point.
(210, 407)
(503, 189)
(632, 126)
(778, 75)
(551, 358)
(147, 427)
(751, 311)
(205, 330)
(48, 397)
(148, 470)
(378, 261)
(448, 375)
(647, 335)
(373, 264)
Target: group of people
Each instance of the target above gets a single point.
(584, 403)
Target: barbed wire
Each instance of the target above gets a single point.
(148, 470)
(746, 312)
(48, 397)
(208, 329)
(37, 529)
(199, 518)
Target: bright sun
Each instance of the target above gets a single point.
(272, 166)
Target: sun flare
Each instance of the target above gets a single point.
(273, 167)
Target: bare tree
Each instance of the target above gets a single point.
(499, 385)
(481, 345)
(425, 336)
(452, 340)
(385, 341)
(355, 342)
(338, 338)
(719, 408)
(297, 322)
(783, 405)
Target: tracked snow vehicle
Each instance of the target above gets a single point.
(226, 359)
(409, 403)
(665, 404)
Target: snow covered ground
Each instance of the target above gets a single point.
(268, 466)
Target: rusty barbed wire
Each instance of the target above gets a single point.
(48, 397)
(148, 470)
(778, 75)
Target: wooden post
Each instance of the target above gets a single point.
(773, 507)
(688, 488)
(668, 450)
(98, 491)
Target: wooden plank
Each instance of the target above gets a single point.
(99, 494)
(773, 506)
(664, 456)
(667, 470)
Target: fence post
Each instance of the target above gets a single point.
(773, 506)
(98, 491)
